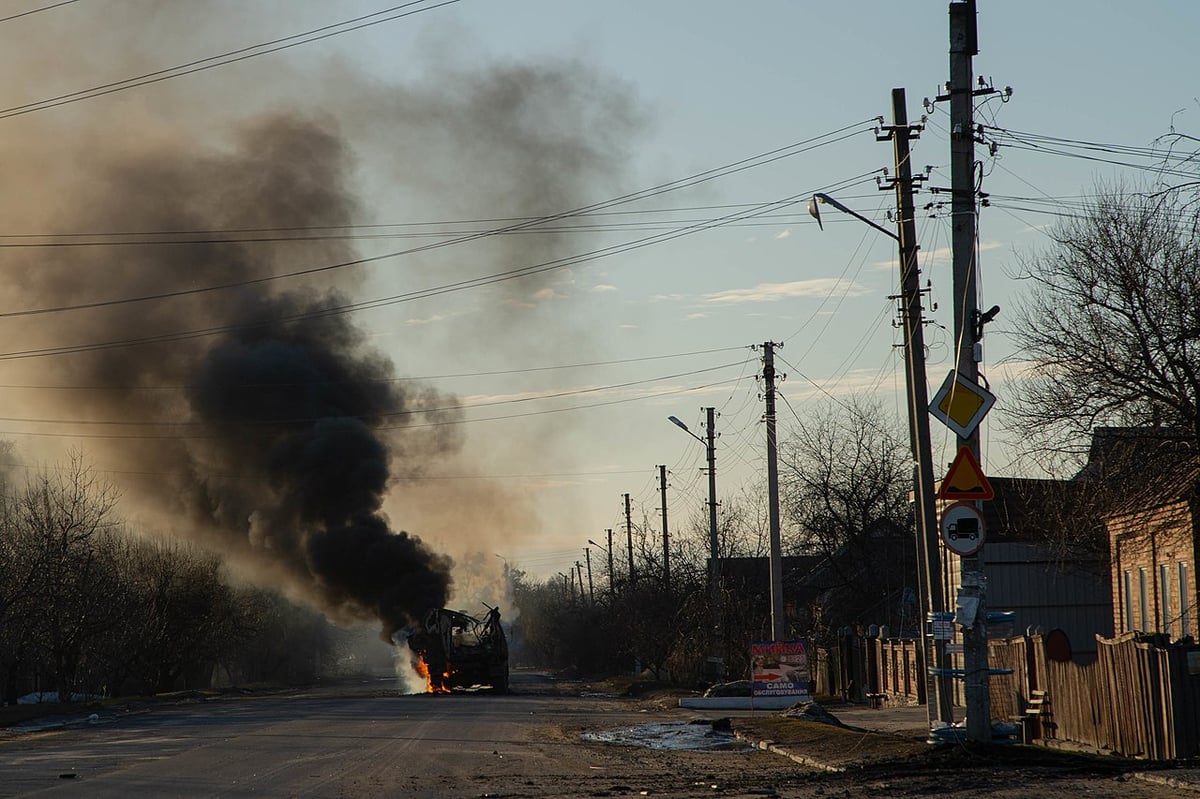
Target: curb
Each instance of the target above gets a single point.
(804, 760)
(1170, 782)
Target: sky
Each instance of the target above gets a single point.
(692, 133)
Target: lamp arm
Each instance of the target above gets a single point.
(825, 198)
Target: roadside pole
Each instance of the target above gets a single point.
(938, 694)
(964, 44)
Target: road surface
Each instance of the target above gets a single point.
(372, 741)
(369, 743)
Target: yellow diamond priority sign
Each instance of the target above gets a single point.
(961, 405)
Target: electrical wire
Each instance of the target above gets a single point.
(405, 426)
(448, 376)
(223, 59)
(393, 230)
(32, 11)
(377, 415)
(687, 182)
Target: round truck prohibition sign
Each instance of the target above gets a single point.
(962, 528)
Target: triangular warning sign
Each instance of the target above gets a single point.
(965, 479)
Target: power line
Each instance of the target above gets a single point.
(403, 426)
(31, 11)
(397, 477)
(376, 231)
(223, 59)
(453, 375)
(380, 414)
(360, 306)
(687, 182)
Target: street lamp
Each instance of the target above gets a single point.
(612, 586)
(814, 211)
(714, 561)
(918, 401)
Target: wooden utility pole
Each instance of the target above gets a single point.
(964, 44)
(938, 694)
(777, 620)
(629, 539)
(662, 484)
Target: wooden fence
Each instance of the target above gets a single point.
(862, 668)
(1140, 698)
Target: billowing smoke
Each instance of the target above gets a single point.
(301, 409)
(259, 418)
(279, 422)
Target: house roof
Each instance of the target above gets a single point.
(1141, 467)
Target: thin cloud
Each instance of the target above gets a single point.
(941, 255)
(773, 292)
(429, 320)
(786, 234)
(602, 287)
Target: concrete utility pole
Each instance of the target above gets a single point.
(662, 484)
(714, 556)
(579, 571)
(587, 555)
(612, 582)
(714, 552)
(629, 539)
(777, 620)
(964, 44)
(938, 694)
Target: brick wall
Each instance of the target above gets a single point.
(1154, 570)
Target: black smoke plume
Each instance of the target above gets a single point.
(272, 423)
(301, 406)
(265, 425)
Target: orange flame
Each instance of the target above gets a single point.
(423, 669)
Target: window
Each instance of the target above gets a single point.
(1145, 602)
(1185, 601)
(1127, 615)
(1164, 581)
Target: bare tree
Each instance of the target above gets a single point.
(845, 475)
(66, 519)
(1110, 323)
(843, 470)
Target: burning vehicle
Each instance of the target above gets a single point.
(455, 650)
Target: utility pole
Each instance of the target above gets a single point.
(662, 484)
(579, 571)
(714, 552)
(938, 695)
(964, 44)
(629, 539)
(612, 583)
(777, 620)
(587, 554)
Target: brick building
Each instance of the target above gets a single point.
(1154, 553)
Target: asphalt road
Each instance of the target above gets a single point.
(367, 742)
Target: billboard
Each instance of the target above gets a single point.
(779, 668)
